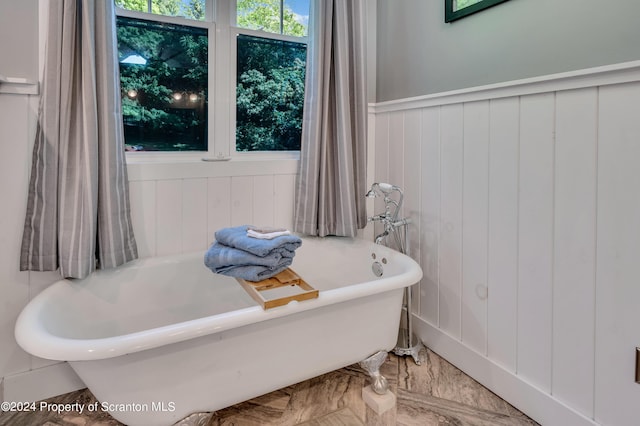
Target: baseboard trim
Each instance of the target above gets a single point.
(41, 383)
(538, 405)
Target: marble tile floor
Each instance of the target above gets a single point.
(434, 393)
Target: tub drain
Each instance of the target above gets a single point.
(377, 269)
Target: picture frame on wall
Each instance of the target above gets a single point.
(456, 9)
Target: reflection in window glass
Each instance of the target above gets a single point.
(190, 9)
(269, 94)
(163, 77)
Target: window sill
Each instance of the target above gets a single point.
(159, 166)
(18, 86)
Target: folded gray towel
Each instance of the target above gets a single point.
(238, 255)
(254, 272)
(220, 256)
(236, 237)
(241, 264)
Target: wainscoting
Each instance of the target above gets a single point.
(525, 200)
(177, 207)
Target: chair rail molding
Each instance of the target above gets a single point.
(624, 72)
(18, 86)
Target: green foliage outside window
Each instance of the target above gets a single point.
(191, 9)
(265, 15)
(163, 78)
(269, 79)
(164, 86)
(269, 94)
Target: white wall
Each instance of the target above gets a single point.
(19, 21)
(527, 226)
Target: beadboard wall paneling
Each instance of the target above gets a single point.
(535, 239)
(502, 248)
(179, 215)
(218, 204)
(528, 233)
(617, 295)
(241, 200)
(450, 250)
(194, 215)
(574, 250)
(142, 195)
(284, 200)
(475, 214)
(429, 215)
(411, 186)
(263, 199)
(381, 153)
(168, 211)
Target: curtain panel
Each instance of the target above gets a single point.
(78, 212)
(332, 177)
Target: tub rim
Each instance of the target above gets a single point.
(34, 338)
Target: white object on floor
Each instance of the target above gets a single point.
(378, 403)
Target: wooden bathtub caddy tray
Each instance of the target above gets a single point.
(283, 287)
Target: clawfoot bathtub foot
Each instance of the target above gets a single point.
(413, 351)
(372, 366)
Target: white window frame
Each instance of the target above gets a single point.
(220, 21)
(234, 32)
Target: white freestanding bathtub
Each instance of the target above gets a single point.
(161, 338)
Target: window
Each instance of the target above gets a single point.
(171, 50)
(289, 17)
(163, 78)
(269, 94)
(189, 9)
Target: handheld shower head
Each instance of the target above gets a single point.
(378, 189)
(386, 188)
(371, 194)
(391, 202)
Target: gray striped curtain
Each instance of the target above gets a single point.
(332, 177)
(78, 214)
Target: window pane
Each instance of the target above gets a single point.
(163, 77)
(137, 5)
(269, 94)
(296, 17)
(190, 9)
(288, 17)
